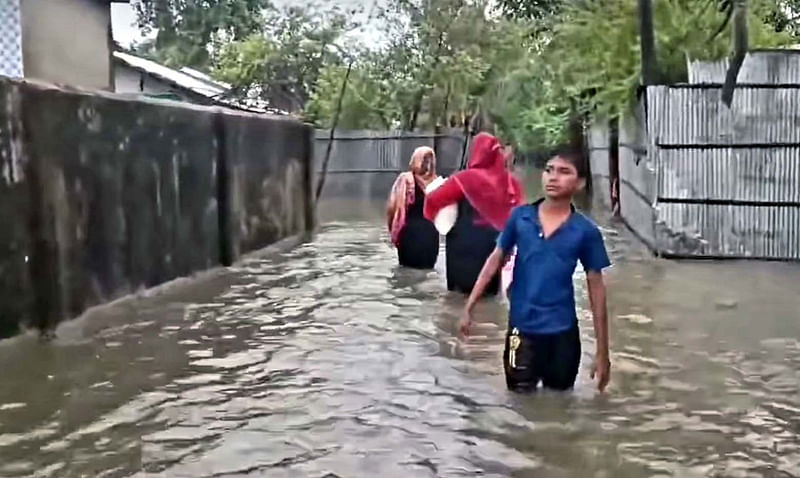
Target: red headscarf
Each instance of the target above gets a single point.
(487, 184)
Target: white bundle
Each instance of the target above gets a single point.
(446, 218)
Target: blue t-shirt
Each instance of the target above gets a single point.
(542, 294)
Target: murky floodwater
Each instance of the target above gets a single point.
(329, 361)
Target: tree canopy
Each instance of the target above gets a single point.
(185, 29)
(527, 65)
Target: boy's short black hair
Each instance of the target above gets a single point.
(575, 158)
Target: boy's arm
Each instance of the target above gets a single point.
(490, 268)
(597, 301)
(505, 244)
(594, 258)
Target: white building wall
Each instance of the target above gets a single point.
(10, 39)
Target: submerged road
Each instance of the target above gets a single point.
(329, 361)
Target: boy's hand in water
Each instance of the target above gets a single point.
(490, 268)
(601, 369)
(597, 299)
(466, 321)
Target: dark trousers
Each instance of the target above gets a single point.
(552, 359)
(419, 244)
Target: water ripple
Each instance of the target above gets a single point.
(329, 361)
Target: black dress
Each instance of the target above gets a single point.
(468, 247)
(419, 241)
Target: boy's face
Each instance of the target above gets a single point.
(560, 179)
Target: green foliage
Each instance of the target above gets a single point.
(368, 102)
(437, 70)
(529, 9)
(185, 28)
(283, 63)
(783, 15)
(265, 53)
(532, 72)
(445, 47)
(530, 69)
(590, 61)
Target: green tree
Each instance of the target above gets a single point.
(185, 28)
(369, 100)
(529, 9)
(282, 64)
(783, 15)
(444, 59)
(265, 53)
(530, 70)
(591, 61)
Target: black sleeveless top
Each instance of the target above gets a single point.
(468, 247)
(419, 242)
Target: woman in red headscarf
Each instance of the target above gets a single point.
(485, 192)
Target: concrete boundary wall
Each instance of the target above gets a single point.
(101, 196)
(598, 146)
(635, 173)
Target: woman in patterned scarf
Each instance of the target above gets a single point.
(415, 237)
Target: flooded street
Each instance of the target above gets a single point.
(326, 360)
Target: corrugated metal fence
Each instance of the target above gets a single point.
(765, 67)
(364, 164)
(698, 179)
(728, 180)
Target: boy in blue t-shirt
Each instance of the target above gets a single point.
(543, 343)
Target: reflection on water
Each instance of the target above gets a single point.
(330, 361)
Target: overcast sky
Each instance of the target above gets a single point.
(123, 24)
